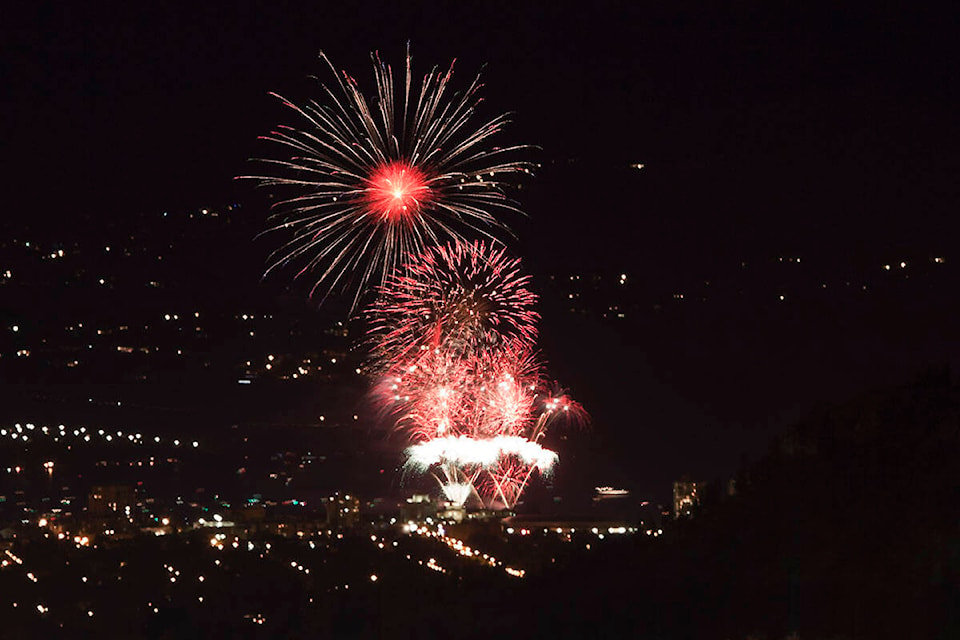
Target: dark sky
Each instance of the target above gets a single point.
(764, 128)
(790, 118)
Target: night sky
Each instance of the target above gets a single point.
(764, 131)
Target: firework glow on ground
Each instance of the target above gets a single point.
(367, 183)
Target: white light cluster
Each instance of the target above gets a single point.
(465, 450)
(29, 431)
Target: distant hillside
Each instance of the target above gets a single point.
(848, 528)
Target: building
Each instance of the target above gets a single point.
(343, 511)
(615, 504)
(686, 497)
(417, 508)
(111, 512)
(111, 500)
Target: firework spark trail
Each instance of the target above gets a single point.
(429, 396)
(478, 420)
(367, 185)
(457, 482)
(512, 381)
(557, 406)
(438, 394)
(505, 481)
(496, 470)
(458, 492)
(464, 297)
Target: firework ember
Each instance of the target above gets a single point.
(368, 184)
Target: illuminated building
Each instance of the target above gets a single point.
(110, 511)
(417, 508)
(452, 513)
(686, 497)
(343, 511)
(109, 500)
(615, 504)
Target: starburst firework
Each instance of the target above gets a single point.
(369, 183)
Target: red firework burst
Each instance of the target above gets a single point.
(397, 191)
(510, 381)
(430, 395)
(465, 298)
(439, 394)
(495, 396)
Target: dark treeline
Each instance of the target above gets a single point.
(847, 528)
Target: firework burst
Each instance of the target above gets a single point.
(477, 420)
(430, 396)
(504, 481)
(466, 298)
(367, 183)
(442, 394)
